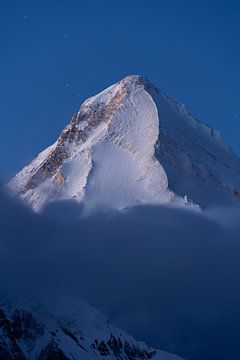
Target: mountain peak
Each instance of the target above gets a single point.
(128, 145)
(136, 79)
(133, 81)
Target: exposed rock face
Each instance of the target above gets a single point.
(52, 352)
(37, 334)
(120, 349)
(90, 115)
(149, 146)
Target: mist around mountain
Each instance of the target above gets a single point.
(134, 210)
(169, 277)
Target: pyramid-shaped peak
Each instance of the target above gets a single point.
(136, 80)
(123, 148)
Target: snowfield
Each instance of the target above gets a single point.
(132, 145)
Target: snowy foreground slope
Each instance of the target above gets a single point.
(132, 145)
(33, 331)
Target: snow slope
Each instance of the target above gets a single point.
(131, 145)
(69, 330)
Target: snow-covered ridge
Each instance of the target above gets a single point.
(130, 145)
(31, 330)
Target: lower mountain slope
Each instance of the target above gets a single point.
(33, 331)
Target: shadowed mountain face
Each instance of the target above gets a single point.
(131, 145)
(30, 331)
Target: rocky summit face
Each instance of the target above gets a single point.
(132, 145)
(33, 331)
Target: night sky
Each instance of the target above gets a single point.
(55, 54)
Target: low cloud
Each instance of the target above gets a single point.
(168, 276)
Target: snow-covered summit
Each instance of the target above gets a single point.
(131, 145)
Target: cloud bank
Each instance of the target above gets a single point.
(168, 276)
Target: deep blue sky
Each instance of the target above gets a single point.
(54, 54)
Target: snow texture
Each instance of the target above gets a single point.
(131, 145)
